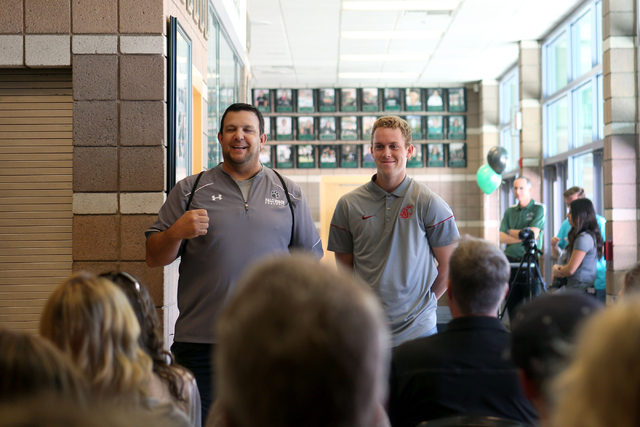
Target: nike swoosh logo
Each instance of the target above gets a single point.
(367, 217)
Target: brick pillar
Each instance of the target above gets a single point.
(489, 137)
(530, 84)
(620, 77)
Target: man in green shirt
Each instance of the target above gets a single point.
(527, 213)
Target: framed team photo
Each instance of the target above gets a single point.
(328, 156)
(348, 100)
(266, 155)
(392, 99)
(306, 103)
(327, 100)
(435, 99)
(267, 128)
(435, 127)
(416, 161)
(284, 156)
(458, 155)
(456, 127)
(435, 155)
(367, 126)
(457, 100)
(349, 156)
(284, 100)
(306, 128)
(413, 99)
(348, 128)
(370, 99)
(415, 122)
(306, 156)
(262, 100)
(284, 128)
(327, 129)
(367, 157)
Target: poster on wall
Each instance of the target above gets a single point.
(306, 131)
(435, 127)
(284, 128)
(392, 99)
(435, 99)
(416, 161)
(413, 99)
(456, 127)
(306, 156)
(349, 156)
(367, 157)
(367, 126)
(305, 101)
(284, 156)
(180, 108)
(457, 101)
(327, 100)
(415, 123)
(284, 100)
(267, 128)
(348, 128)
(266, 155)
(328, 129)
(370, 99)
(348, 100)
(435, 155)
(328, 156)
(457, 155)
(262, 100)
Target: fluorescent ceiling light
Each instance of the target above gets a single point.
(387, 57)
(378, 75)
(413, 35)
(401, 5)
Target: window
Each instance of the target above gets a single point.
(509, 108)
(557, 127)
(583, 101)
(557, 66)
(584, 48)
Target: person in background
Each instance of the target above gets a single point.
(578, 262)
(301, 345)
(600, 386)
(543, 336)
(631, 283)
(170, 383)
(559, 242)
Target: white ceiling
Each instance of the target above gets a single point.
(297, 43)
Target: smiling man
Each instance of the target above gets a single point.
(397, 235)
(239, 213)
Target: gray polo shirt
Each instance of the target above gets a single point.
(390, 236)
(586, 273)
(239, 234)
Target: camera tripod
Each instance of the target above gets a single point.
(533, 276)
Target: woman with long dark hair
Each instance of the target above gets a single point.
(578, 261)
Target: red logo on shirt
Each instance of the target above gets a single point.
(406, 212)
(367, 217)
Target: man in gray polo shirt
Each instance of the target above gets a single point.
(239, 213)
(392, 230)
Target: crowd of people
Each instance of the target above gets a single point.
(268, 336)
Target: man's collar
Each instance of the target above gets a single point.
(399, 191)
(528, 204)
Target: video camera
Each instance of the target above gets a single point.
(528, 238)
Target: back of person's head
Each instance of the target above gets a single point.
(151, 338)
(240, 106)
(600, 387)
(301, 344)
(570, 192)
(31, 365)
(393, 122)
(543, 334)
(90, 320)
(584, 219)
(631, 283)
(478, 276)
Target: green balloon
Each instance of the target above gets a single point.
(487, 179)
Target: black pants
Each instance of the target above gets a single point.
(198, 358)
(521, 291)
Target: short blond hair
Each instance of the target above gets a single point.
(393, 122)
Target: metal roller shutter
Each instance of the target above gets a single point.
(36, 154)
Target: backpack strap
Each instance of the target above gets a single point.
(286, 193)
(193, 191)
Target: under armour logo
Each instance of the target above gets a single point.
(214, 198)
